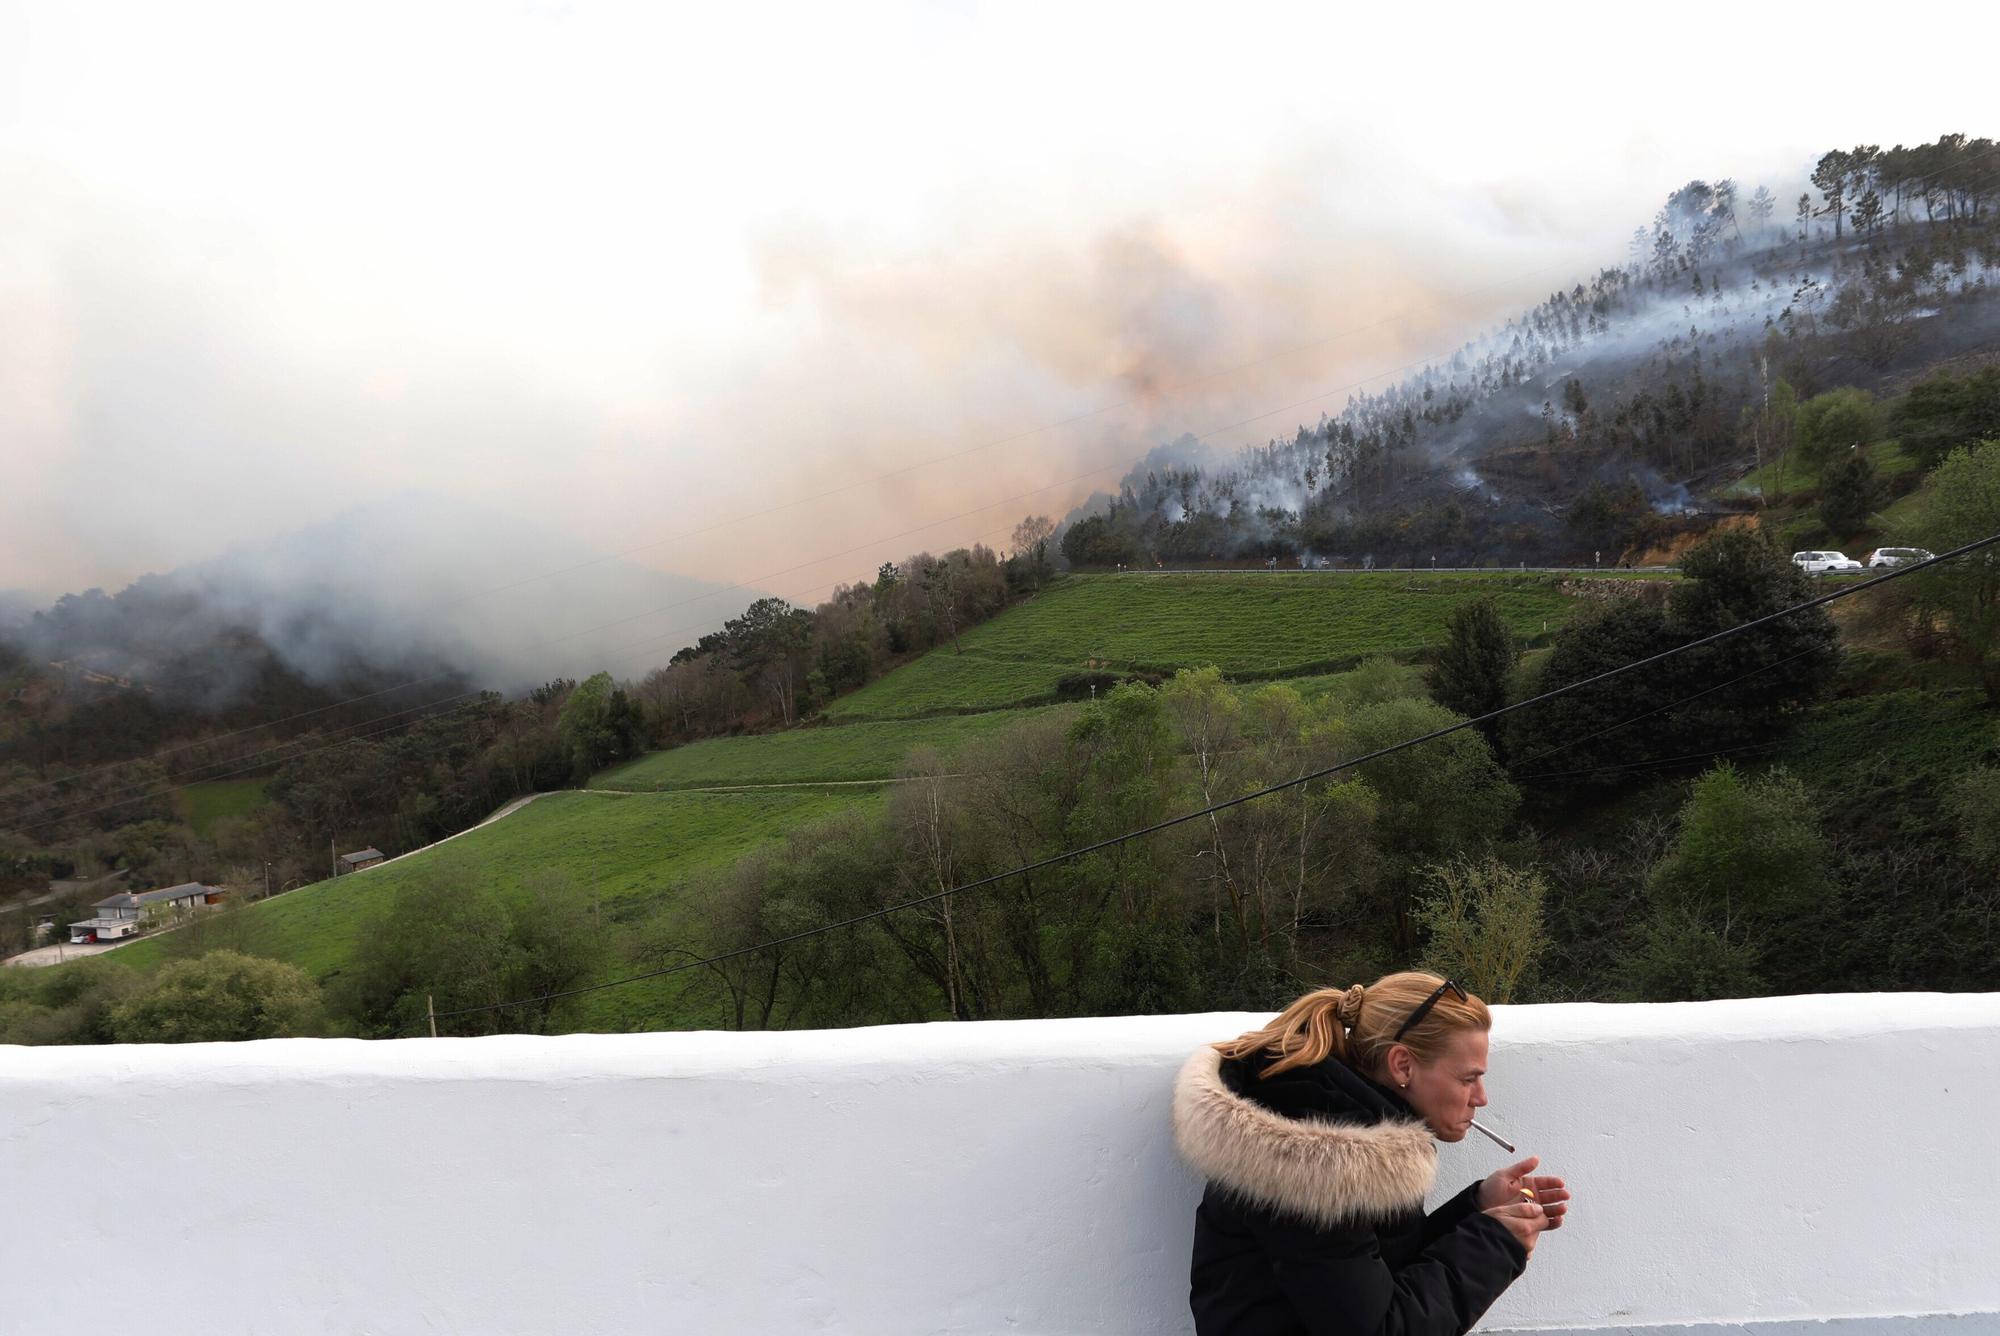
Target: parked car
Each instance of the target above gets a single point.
(1820, 563)
(1884, 557)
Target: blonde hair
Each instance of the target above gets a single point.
(1358, 1025)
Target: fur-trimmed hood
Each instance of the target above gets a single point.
(1326, 1172)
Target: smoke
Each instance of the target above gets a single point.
(407, 587)
(1673, 500)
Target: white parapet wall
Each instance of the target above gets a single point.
(1785, 1160)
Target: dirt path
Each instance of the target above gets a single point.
(749, 788)
(66, 951)
(508, 810)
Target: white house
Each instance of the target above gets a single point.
(123, 914)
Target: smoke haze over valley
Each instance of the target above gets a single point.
(258, 273)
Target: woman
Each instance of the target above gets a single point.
(1315, 1134)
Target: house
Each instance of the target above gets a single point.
(357, 860)
(123, 914)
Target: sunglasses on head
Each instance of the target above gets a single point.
(1425, 1010)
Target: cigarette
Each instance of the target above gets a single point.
(1492, 1136)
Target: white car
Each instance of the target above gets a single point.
(1820, 563)
(1884, 557)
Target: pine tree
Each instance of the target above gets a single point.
(1473, 669)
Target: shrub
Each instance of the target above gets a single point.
(223, 995)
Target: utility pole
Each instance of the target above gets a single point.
(430, 1013)
(267, 881)
(332, 855)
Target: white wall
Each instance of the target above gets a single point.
(1783, 1158)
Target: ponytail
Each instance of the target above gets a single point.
(1306, 1033)
(1358, 1025)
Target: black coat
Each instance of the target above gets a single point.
(1313, 1222)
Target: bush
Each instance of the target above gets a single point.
(1829, 423)
(1974, 803)
(1848, 492)
(1484, 921)
(1683, 958)
(1947, 411)
(70, 1004)
(467, 944)
(223, 995)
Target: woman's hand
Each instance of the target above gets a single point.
(1525, 1220)
(1504, 1187)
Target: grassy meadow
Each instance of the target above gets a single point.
(629, 850)
(1249, 624)
(854, 752)
(202, 805)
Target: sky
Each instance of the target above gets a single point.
(768, 295)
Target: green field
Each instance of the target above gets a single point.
(202, 805)
(1249, 624)
(631, 847)
(629, 851)
(862, 751)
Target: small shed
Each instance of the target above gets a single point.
(359, 859)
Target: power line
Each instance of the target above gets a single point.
(1071, 854)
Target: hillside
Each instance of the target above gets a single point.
(628, 854)
(632, 851)
(1641, 377)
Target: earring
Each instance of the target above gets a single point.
(1406, 1085)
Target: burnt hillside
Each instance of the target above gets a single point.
(1645, 380)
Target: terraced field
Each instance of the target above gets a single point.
(1255, 624)
(854, 752)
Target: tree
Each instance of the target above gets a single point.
(1476, 665)
(589, 726)
(1484, 926)
(1605, 517)
(1030, 556)
(1945, 411)
(1847, 492)
(468, 943)
(1446, 798)
(1827, 424)
(1094, 541)
(1830, 175)
(223, 995)
(1748, 688)
(1868, 213)
(1761, 207)
(770, 645)
(1749, 856)
(1960, 504)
